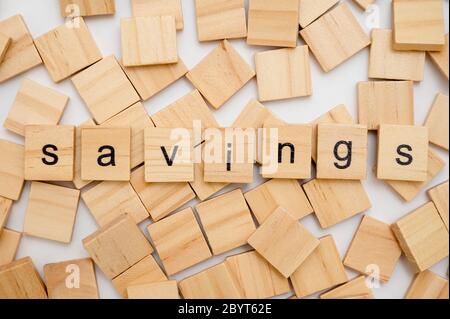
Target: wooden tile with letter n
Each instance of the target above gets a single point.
(49, 152)
(117, 246)
(105, 153)
(441, 59)
(5, 208)
(310, 10)
(68, 49)
(283, 242)
(157, 290)
(428, 285)
(151, 8)
(437, 121)
(82, 8)
(321, 270)
(402, 153)
(72, 279)
(12, 173)
(220, 74)
(439, 196)
(224, 215)
(354, 289)
(5, 42)
(273, 23)
(9, 243)
(179, 241)
(335, 37)
(20, 280)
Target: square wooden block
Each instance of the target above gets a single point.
(218, 20)
(402, 152)
(5, 42)
(439, 196)
(20, 280)
(354, 289)
(67, 49)
(274, 83)
(321, 270)
(5, 208)
(51, 212)
(77, 181)
(427, 16)
(437, 121)
(385, 102)
(117, 246)
(151, 8)
(35, 104)
(373, 248)
(310, 10)
(220, 74)
(334, 201)
(82, 8)
(342, 151)
(335, 37)
(441, 59)
(105, 153)
(287, 193)
(423, 237)
(283, 242)
(158, 290)
(148, 40)
(12, 172)
(273, 23)
(105, 89)
(224, 215)
(49, 152)
(256, 277)
(179, 241)
(428, 285)
(72, 279)
(387, 63)
(108, 200)
(21, 55)
(9, 243)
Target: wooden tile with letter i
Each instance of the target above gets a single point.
(5, 42)
(49, 152)
(12, 172)
(310, 10)
(439, 196)
(428, 285)
(151, 8)
(354, 289)
(342, 151)
(5, 208)
(441, 59)
(157, 290)
(105, 153)
(9, 243)
(82, 8)
(437, 121)
(402, 153)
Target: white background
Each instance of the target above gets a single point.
(329, 90)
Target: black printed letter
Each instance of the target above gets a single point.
(400, 152)
(169, 161)
(111, 155)
(347, 158)
(280, 152)
(46, 152)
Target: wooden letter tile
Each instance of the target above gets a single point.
(77, 181)
(51, 212)
(151, 8)
(364, 4)
(5, 42)
(179, 241)
(437, 121)
(83, 8)
(12, 173)
(310, 10)
(427, 285)
(9, 242)
(157, 290)
(354, 289)
(439, 196)
(5, 208)
(440, 58)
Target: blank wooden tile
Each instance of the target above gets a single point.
(117, 246)
(5, 208)
(12, 173)
(77, 181)
(22, 55)
(143, 272)
(108, 200)
(439, 196)
(213, 283)
(335, 37)
(160, 199)
(256, 277)
(105, 89)
(9, 242)
(179, 241)
(148, 40)
(108, 146)
(224, 215)
(283, 73)
(287, 193)
(334, 201)
(402, 152)
(273, 23)
(423, 237)
(75, 8)
(374, 244)
(427, 285)
(20, 280)
(418, 25)
(364, 4)
(220, 74)
(310, 10)
(148, 80)
(144, 8)
(440, 58)
(321, 270)
(67, 50)
(51, 212)
(283, 242)
(49, 152)
(35, 104)
(157, 290)
(5, 42)
(437, 121)
(387, 63)
(72, 279)
(218, 20)
(353, 289)
(385, 102)
(342, 151)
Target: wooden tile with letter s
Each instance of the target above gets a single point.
(151, 8)
(5, 208)
(12, 172)
(428, 285)
(439, 196)
(437, 121)
(441, 59)
(5, 42)
(310, 10)
(157, 290)
(83, 8)
(9, 243)
(354, 289)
